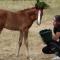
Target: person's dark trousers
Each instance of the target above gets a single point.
(58, 53)
(52, 48)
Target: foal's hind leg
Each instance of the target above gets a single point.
(26, 42)
(20, 42)
(1, 30)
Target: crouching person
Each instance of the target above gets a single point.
(56, 29)
(53, 43)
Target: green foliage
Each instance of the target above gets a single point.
(37, 1)
(41, 5)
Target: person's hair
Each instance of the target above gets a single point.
(57, 18)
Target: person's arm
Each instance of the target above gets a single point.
(54, 23)
(56, 36)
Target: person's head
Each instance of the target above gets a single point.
(57, 18)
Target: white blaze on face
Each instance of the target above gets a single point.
(39, 12)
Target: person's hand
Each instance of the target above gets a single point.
(54, 23)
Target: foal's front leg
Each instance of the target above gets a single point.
(20, 42)
(26, 43)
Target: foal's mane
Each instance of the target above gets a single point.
(28, 9)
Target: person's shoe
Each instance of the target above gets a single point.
(56, 58)
(47, 50)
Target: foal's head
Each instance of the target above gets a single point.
(35, 14)
(32, 14)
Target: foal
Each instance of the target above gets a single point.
(20, 21)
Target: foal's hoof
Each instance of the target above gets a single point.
(28, 58)
(17, 55)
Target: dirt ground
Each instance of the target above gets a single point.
(9, 44)
(9, 39)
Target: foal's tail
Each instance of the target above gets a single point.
(3, 18)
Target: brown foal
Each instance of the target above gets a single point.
(20, 21)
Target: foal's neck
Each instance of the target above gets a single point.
(33, 12)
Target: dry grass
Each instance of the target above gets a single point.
(9, 39)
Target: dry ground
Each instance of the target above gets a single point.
(9, 44)
(9, 39)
